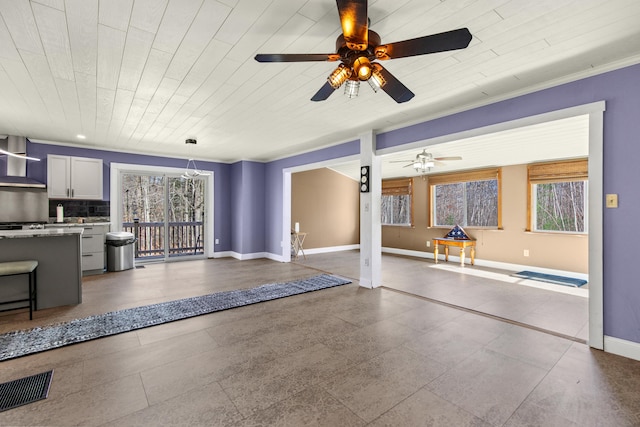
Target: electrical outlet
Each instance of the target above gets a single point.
(526, 252)
(217, 241)
(428, 243)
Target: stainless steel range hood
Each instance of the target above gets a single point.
(16, 164)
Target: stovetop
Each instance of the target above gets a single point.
(22, 225)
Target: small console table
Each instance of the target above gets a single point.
(297, 241)
(460, 243)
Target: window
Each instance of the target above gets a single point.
(397, 206)
(558, 196)
(470, 199)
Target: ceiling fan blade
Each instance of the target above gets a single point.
(401, 161)
(448, 158)
(393, 87)
(353, 16)
(441, 42)
(325, 91)
(296, 57)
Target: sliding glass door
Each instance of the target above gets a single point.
(185, 225)
(165, 213)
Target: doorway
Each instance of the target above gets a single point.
(595, 188)
(165, 213)
(170, 216)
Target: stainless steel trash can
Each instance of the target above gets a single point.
(120, 250)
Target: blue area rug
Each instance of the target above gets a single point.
(20, 343)
(550, 278)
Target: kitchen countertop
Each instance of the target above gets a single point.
(75, 224)
(52, 232)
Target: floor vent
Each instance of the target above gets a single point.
(24, 390)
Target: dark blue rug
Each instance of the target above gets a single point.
(550, 278)
(29, 341)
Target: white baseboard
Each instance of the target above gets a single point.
(225, 254)
(412, 253)
(407, 252)
(485, 263)
(331, 249)
(243, 257)
(274, 257)
(622, 347)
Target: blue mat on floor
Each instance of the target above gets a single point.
(28, 341)
(550, 278)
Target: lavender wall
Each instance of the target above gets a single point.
(248, 201)
(222, 210)
(621, 91)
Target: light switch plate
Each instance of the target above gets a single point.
(612, 200)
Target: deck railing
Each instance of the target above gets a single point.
(185, 238)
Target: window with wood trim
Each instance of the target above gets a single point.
(557, 196)
(397, 202)
(470, 199)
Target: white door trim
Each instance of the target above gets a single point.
(116, 202)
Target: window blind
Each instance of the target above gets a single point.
(397, 187)
(478, 175)
(572, 170)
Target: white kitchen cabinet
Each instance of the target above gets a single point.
(74, 177)
(92, 245)
(93, 253)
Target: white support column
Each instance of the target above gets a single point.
(370, 228)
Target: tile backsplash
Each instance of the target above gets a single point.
(80, 208)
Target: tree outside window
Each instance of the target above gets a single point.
(396, 202)
(396, 210)
(473, 203)
(558, 196)
(560, 206)
(470, 199)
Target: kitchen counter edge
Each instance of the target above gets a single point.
(50, 232)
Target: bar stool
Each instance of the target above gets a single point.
(14, 268)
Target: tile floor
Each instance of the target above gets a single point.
(338, 357)
(493, 292)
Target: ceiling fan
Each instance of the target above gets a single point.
(358, 47)
(425, 161)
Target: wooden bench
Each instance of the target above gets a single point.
(14, 268)
(460, 243)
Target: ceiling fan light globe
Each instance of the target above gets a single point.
(352, 88)
(339, 76)
(364, 73)
(376, 81)
(374, 84)
(363, 68)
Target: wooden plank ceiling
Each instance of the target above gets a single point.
(144, 75)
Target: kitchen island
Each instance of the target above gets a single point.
(59, 274)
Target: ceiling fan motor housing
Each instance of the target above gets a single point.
(349, 56)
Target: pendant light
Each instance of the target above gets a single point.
(192, 170)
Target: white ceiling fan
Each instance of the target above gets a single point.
(425, 161)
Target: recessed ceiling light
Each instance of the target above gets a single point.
(80, 136)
